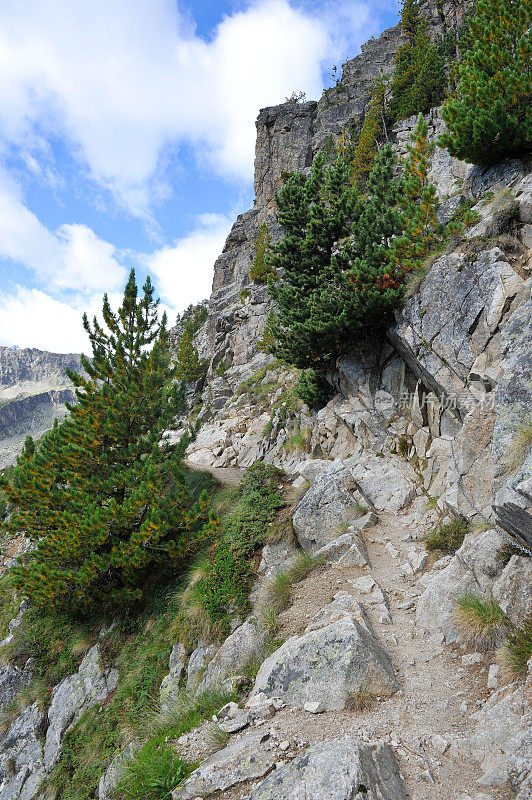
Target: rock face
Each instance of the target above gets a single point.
(336, 770)
(90, 685)
(21, 756)
(327, 665)
(33, 390)
(244, 643)
(170, 683)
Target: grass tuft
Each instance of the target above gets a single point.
(278, 591)
(448, 537)
(521, 444)
(217, 738)
(517, 651)
(481, 621)
(153, 773)
(361, 700)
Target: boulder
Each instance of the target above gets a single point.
(327, 504)
(242, 760)
(89, 686)
(435, 608)
(242, 645)
(12, 680)
(341, 769)
(170, 683)
(347, 550)
(197, 661)
(327, 665)
(344, 606)
(481, 179)
(389, 483)
(114, 772)
(513, 589)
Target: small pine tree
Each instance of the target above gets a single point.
(489, 113)
(261, 268)
(104, 499)
(419, 204)
(189, 366)
(366, 147)
(418, 81)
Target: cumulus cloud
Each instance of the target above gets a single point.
(183, 272)
(72, 257)
(123, 80)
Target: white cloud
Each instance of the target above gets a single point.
(183, 272)
(72, 257)
(124, 79)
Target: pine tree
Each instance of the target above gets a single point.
(418, 81)
(104, 499)
(418, 203)
(366, 147)
(489, 114)
(261, 269)
(189, 365)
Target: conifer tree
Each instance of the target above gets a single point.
(104, 499)
(366, 147)
(189, 365)
(418, 202)
(418, 81)
(489, 114)
(261, 269)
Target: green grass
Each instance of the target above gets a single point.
(447, 538)
(153, 773)
(299, 440)
(517, 650)
(521, 443)
(302, 564)
(481, 621)
(278, 591)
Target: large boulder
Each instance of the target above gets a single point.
(237, 650)
(327, 505)
(435, 607)
(327, 665)
(90, 685)
(336, 770)
(513, 589)
(242, 760)
(389, 483)
(197, 661)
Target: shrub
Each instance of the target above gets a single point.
(313, 388)
(261, 269)
(489, 113)
(447, 538)
(517, 650)
(418, 81)
(481, 621)
(189, 366)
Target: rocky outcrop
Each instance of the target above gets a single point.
(169, 689)
(336, 770)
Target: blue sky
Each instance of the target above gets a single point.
(127, 139)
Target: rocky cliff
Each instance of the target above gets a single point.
(369, 689)
(34, 388)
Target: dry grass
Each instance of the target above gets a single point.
(217, 738)
(361, 700)
(447, 538)
(481, 621)
(516, 652)
(521, 444)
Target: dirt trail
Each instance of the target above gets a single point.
(229, 476)
(438, 696)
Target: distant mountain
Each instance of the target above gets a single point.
(34, 388)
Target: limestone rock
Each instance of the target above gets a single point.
(235, 652)
(21, 756)
(328, 503)
(435, 607)
(170, 683)
(341, 769)
(326, 665)
(243, 759)
(488, 179)
(197, 661)
(88, 686)
(513, 589)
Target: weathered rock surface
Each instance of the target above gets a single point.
(341, 769)
(90, 685)
(197, 662)
(513, 589)
(233, 655)
(21, 756)
(326, 665)
(170, 684)
(12, 680)
(243, 759)
(114, 772)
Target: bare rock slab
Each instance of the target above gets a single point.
(326, 665)
(244, 759)
(336, 770)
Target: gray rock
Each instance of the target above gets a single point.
(513, 589)
(21, 756)
(388, 483)
(326, 665)
(12, 680)
(435, 608)
(242, 760)
(170, 683)
(347, 549)
(488, 179)
(327, 504)
(197, 662)
(448, 208)
(89, 686)
(114, 772)
(344, 606)
(524, 198)
(237, 650)
(341, 769)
